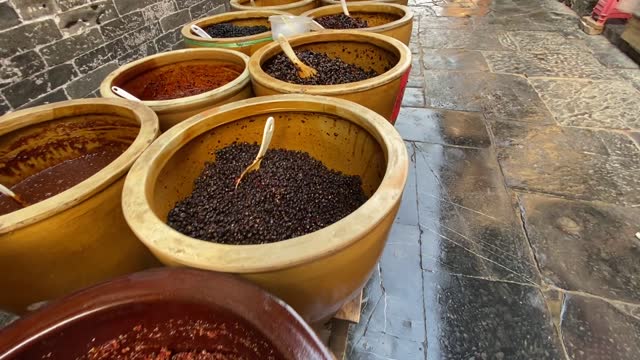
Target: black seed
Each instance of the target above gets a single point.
(292, 194)
(229, 30)
(341, 21)
(330, 71)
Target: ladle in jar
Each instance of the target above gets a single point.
(344, 7)
(304, 71)
(264, 145)
(200, 32)
(123, 93)
(8, 192)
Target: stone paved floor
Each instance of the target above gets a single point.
(515, 239)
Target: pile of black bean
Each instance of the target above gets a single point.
(330, 71)
(292, 194)
(341, 21)
(229, 30)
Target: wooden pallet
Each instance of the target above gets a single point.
(336, 332)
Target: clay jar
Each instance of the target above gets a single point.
(172, 111)
(315, 273)
(78, 237)
(390, 58)
(169, 300)
(244, 44)
(293, 7)
(383, 18)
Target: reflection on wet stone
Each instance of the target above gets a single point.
(498, 96)
(469, 40)
(443, 127)
(583, 246)
(469, 222)
(565, 65)
(471, 318)
(593, 329)
(454, 59)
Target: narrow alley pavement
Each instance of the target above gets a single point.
(515, 239)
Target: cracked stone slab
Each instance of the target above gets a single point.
(632, 76)
(463, 39)
(536, 19)
(589, 141)
(585, 246)
(479, 319)
(601, 104)
(400, 312)
(408, 211)
(468, 219)
(593, 329)
(565, 65)
(454, 59)
(553, 169)
(498, 96)
(413, 97)
(444, 127)
(546, 42)
(438, 22)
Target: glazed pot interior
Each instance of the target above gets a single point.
(373, 55)
(340, 144)
(135, 78)
(40, 146)
(373, 18)
(260, 3)
(251, 21)
(179, 310)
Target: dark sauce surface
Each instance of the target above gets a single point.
(60, 177)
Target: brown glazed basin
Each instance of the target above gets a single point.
(78, 237)
(388, 57)
(70, 327)
(244, 44)
(315, 273)
(293, 7)
(383, 18)
(172, 111)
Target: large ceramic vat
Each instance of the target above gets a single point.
(78, 237)
(171, 112)
(315, 273)
(244, 44)
(390, 58)
(337, 2)
(293, 7)
(383, 18)
(169, 301)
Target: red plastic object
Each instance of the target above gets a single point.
(607, 10)
(398, 102)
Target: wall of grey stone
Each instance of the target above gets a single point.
(54, 50)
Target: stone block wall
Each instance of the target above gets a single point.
(54, 50)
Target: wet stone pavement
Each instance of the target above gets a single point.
(516, 234)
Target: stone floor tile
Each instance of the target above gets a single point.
(463, 39)
(498, 96)
(585, 246)
(593, 329)
(565, 65)
(379, 346)
(408, 212)
(454, 59)
(600, 104)
(546, 42)
(632, 76)
(400, 312)
(444, 127)
(438, 22)
(471, 318)
(555, 170)
(615, 59)
(468, 219)
(413, 97)
(601, 142)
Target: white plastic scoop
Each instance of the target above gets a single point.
(8, 192)
(123, 93)
(200, 32)
(266, 140)
(344, 7)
